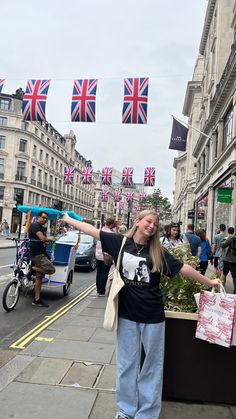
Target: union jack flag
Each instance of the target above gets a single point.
(1, 84)
(87, 173)
(149, 176)
(104, 195)
(69, 174)
(130, 196)
(34, 100)
(117, 196)
(106, 176)
(84, 100)
(135, 101)
(142, 195)
(127, 176)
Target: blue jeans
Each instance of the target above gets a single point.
(139, 393)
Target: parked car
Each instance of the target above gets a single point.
(85, 254)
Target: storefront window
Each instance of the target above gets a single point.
(223, 205)
(202, 210)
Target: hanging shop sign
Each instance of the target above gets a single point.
(224, 195)
(191, 213)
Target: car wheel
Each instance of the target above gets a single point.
(93, 263)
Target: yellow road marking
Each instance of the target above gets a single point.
(20, 343)
(42, 339)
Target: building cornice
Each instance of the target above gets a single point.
(179, 159)
(207, 25)
(192, 88)
(223, 89)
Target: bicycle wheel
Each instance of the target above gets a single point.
(66, 287)
(11, 295)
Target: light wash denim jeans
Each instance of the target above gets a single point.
(138, 394)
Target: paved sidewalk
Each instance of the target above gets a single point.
(72, 373)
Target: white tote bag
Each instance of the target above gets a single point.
(216, 317)
(111, 312)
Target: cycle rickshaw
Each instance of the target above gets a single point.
(61, 254)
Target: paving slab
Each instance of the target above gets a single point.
(104, 407)
(77, 333)
(98, 303)
(102, 335)
(87, 321)
(107, 380)
(27, 401)
(79, 351)
(94, 312)
(37, 346)
(82, 374)
(44, 371)
(6, 355)
(62, 322)
(12, 369)
(174, 410)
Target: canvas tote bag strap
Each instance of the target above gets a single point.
(119, 256)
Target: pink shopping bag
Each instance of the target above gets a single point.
(216, 317)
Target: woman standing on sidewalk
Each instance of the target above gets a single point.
(141, 313)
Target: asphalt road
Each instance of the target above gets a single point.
(25, 316)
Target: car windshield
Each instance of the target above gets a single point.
(72, 237)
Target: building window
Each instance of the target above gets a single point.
(23, 145)
(3, 121)
(5, 104)
(52, 162)
(1, 168)
(42, 136)
(36, 131)
(53, 145)
(35, 151)
(46, 158)
(2, 141)
(57, 165)
(40, 175)
(227, 128)
(33, 172)
(48, 141)
(40, 155)
(24, 125)
(21, 170)
(1, 193)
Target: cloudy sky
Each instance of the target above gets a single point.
(108, 40)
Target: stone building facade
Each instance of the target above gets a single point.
(33, 157)
(206, 173)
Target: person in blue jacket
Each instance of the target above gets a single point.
(205, 245)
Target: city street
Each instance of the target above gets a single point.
(25, 316)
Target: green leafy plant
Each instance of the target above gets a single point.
(178, 292)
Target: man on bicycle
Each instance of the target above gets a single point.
(38, 255)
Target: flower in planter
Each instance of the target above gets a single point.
(178, 292)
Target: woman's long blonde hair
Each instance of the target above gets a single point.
(156, 250)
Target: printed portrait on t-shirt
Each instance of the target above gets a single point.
(135, 268)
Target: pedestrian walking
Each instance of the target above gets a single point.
(172, 238)
(205, 250)
(141, 318)
(229, 259)
(5, 228)
(217, 250)
(104, 260)
(194, 241)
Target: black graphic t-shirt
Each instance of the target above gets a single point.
(36, 245)
(140, 300)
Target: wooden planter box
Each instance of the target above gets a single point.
(195, 370)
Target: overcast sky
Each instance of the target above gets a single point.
(108, 40)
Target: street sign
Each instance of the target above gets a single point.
(224, 195)
(191, 213)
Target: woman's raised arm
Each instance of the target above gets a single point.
(82, 226)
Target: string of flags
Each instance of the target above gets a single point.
(117, 196)
(83, 103)
(106, 176)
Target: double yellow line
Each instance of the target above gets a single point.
(24, 340)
